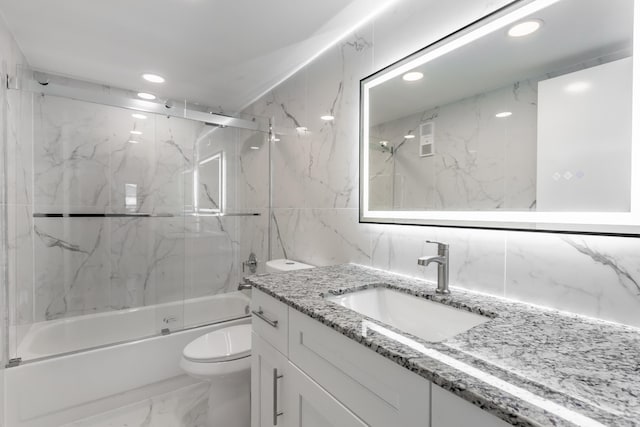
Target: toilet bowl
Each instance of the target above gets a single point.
(223, 357)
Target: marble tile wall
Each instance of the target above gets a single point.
(315, 208)
(72, 156)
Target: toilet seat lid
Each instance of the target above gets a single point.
(221, 345)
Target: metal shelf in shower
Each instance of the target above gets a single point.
(139, 215)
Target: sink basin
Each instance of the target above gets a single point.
(429, 320)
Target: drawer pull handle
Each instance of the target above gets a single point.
(261, 315)
(276, 414)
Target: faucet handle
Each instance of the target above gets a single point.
(443, 248)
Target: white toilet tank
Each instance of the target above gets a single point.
(278, 265)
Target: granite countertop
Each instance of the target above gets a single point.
(528, 365)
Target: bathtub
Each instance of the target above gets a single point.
(63, 336)
(81, 366)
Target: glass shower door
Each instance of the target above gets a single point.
(127, 225)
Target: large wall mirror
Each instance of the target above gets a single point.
(526, 119)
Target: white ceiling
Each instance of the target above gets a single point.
(216, 53)
(574, 31)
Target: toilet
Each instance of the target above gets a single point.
(223, 357)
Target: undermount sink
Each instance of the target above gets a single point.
(429, 320)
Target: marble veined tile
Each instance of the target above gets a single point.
(320, 236)
(252, 170)
(598, 276)
(217, 168)
(185, 407)
(317, 167)
(471, 166)
(253, 237)
(168, 188)
(19, 147)
(174, 141)
(72, 142)
(133, 165)
(71, 266)
(133, 257)
(476, 257)
(210, 249)
(20, 266)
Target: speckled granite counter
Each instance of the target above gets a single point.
(528, 366)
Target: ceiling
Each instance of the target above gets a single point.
(574, 31)
(218, 53)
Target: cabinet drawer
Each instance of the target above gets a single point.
(270, 320)
(377, 390)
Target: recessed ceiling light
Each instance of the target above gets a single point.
(504, 114)
(153, 78)
(276, 139)
(138, 116)
(412, 76)
(146, 96)
(253, 147)
(135, 132)
(577, 87)
(327, 118)
(301, 129)
(525, 28)
(409, 136)
(133, 141)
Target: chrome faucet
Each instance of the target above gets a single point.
(442, 259)
(243, 285)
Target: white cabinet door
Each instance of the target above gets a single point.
(267, 370)
(380, 392)
(449, 410)
(309, 405)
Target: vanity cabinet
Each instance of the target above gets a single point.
(309, 405)
(449, 410)
(304, 374)
(284, 396)
(281, 394)
(268, 367)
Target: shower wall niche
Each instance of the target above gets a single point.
(118, 209)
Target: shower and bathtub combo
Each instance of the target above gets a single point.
(136, 229)
(110, 374)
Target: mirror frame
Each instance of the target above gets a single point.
(219, 157)
(601, 223)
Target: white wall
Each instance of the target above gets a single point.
(316, 187)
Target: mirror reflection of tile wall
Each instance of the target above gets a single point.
(480, 162)
(553, 152)
(536, 122)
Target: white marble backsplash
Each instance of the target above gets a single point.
(315, 215)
